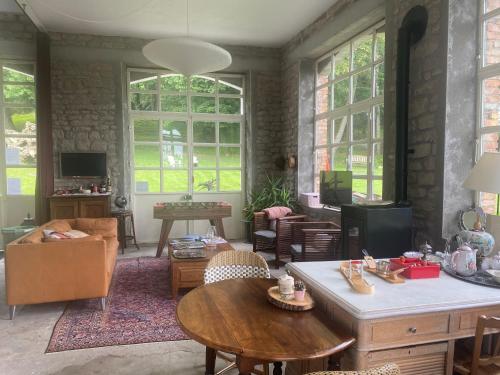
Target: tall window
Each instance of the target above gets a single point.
(488, 130)
(186, 133)
(349, 113)
(18, 127)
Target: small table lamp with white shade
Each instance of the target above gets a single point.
(485, 177)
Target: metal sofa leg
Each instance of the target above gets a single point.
(102, 302)
(12, 311)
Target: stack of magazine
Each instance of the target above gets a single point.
(188, 248)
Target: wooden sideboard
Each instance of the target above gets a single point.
(414, 324)
(79, 205)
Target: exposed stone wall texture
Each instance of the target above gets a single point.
(84, 114)
(16, 27)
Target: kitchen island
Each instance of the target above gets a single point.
(414, 324)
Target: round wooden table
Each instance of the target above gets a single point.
(234, 316)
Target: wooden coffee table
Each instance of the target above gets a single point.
(188, 273)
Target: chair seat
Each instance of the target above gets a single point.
(269, 234)
(296, 249)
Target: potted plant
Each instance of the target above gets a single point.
(299, 291)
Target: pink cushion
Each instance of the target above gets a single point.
(277, 212)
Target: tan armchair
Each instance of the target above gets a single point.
(277, 240)
(315, 241)
(388, 369)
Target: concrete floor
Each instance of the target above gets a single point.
(23, 342)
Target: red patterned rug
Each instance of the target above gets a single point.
(139, 309)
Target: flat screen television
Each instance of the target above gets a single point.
(335, 188)
(83, 164)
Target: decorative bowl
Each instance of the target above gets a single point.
(495, 274)
(413, 254)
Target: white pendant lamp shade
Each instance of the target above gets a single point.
(484, 176)
(187, 56)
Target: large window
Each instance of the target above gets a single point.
(186, 133)
(349, 113)
(488, 130)
(18, 127)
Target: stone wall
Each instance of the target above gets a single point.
(16, 27)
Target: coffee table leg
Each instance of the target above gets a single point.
(210, 355)
(220, 227)
(166, 226)
(277, 368)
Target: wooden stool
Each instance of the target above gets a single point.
(121, 216)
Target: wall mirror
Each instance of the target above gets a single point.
(469, 217)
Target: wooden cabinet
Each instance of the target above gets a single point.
(73, 206)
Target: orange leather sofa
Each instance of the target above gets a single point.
(63, 270)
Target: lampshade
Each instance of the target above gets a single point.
(485, 176)
(187, 56)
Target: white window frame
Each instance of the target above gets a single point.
(3, 134)
(483, 73)
(350, 109)
(189, 117)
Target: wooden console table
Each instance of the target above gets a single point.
(414, 324)
(169, 212)
(71, 206)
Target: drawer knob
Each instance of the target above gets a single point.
(412, 330)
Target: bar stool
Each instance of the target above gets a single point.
(121, 216)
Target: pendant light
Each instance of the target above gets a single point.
(186, 55)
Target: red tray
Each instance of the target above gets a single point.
(416, 268)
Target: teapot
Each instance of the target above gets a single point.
(463, 260)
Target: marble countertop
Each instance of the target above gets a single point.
(413, 297)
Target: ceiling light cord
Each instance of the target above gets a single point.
(187, 17)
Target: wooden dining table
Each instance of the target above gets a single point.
(234, 316)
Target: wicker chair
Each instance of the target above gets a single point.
(388, 369)
(236, 265)
(315, 241)
(265, 238)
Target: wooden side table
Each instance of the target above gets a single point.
(121, 216)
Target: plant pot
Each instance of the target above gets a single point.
(299, 295)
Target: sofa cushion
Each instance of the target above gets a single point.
(94, 237)
(34, 237)
(104, 226)
(58, 226)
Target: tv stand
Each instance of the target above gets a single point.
(71, 206)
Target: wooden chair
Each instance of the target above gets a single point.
(478, 365)
(277, 240)
(315, 241)
(236, 265)
(388, 369)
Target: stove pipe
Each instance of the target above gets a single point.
(411, 31)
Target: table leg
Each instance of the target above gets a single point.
(245, 365)
(166, 226)
(277, 368)
(210, 355)
(220, 227)
(334, 362)
(121, 233)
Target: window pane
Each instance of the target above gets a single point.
(147, 181)
(377, 186)
(21, 181)
(230, 180)
(341, 93)
(18, 72)
(360, 126)
(204, 132)
(379, 79)
(231, 85)
(321, 129)
(341, 61)
(491, 48)
(20, 121)
(20, 151)
(379, 122)
(143, 81)
(323, 162)
(380, 44)
(174, 103)
(360, 186)
(200, 104)
(229, 132)
(203, 84)
(362, 51)
(491, 142)
(362, 85)
(323, 99)
(175, 155)
(147, 155)
(174, 131)
(204, 157)
(230, 106)
(490, 100)
(340, 130)
(229, 157)
(490, 5)
(205, 180)
(378, 159)
(488, 202)
(340, 157)
(143, 102)
(173, 82)
(19, 94)
(175, 181)
(324, 71)
(359, 160)
(147, 130)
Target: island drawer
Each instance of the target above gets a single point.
(408, 329)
